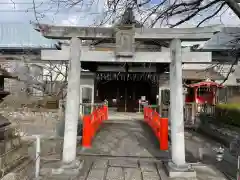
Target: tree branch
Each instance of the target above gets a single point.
(233, 4)
(211, 16)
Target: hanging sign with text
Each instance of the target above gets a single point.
(128, 77)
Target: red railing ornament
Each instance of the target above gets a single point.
(91, 124)
(158, 125)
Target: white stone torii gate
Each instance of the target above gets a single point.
(175, 56)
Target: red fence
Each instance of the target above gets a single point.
(159, 126)
(91, 124)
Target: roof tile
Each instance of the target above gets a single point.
(23, 35)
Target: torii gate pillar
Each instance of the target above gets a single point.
(176, 104)
(72, 104)
(178, 163)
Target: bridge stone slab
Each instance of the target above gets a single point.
(150, 175)
(148, 167)
(115, 173)
(123, 163)
(132, 174)
(96, 174)
(100, 164)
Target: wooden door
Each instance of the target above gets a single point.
(130, 98)
(121, 105)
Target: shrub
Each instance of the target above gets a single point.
(233, 106)
(228, 114)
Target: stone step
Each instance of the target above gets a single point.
(14, 154)
(7, 145)
(22, 169)
(13, 165)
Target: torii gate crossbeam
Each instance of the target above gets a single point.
(94, 33)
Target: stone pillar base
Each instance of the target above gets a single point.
(59, 169)
(184, 171)
(83, 149)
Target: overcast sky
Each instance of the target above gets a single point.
(22, 11)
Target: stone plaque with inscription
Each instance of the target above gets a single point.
(125, 41)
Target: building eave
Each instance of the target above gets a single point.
(225, 40)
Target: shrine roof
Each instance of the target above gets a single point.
(22, 35)
(205, 83)
(202, 74)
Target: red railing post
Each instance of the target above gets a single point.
(150, 114)
(94, 122)
(87, 131)
(151, 118)
(164, 134)
(158, 127)
(147, 114)
(101, 115)
(154, 122)
(105, 112)
(97, 120)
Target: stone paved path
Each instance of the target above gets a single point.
(126, 139)
(127, 116)
(117, 169)
(96, 168)
(128, 150)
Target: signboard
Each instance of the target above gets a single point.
(142, 102)
(143, 98)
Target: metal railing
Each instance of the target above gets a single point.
(191, 112)
(45, 149)
(85, 108)
(206, 109)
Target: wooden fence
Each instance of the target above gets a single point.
(191, 112)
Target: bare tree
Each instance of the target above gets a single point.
(170, 13)
(45, 79)
(50, 81)
(150, 13)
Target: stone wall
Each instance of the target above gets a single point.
(12, 85)
(33, 121)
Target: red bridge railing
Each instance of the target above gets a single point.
(158, 125)
(91, 124)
